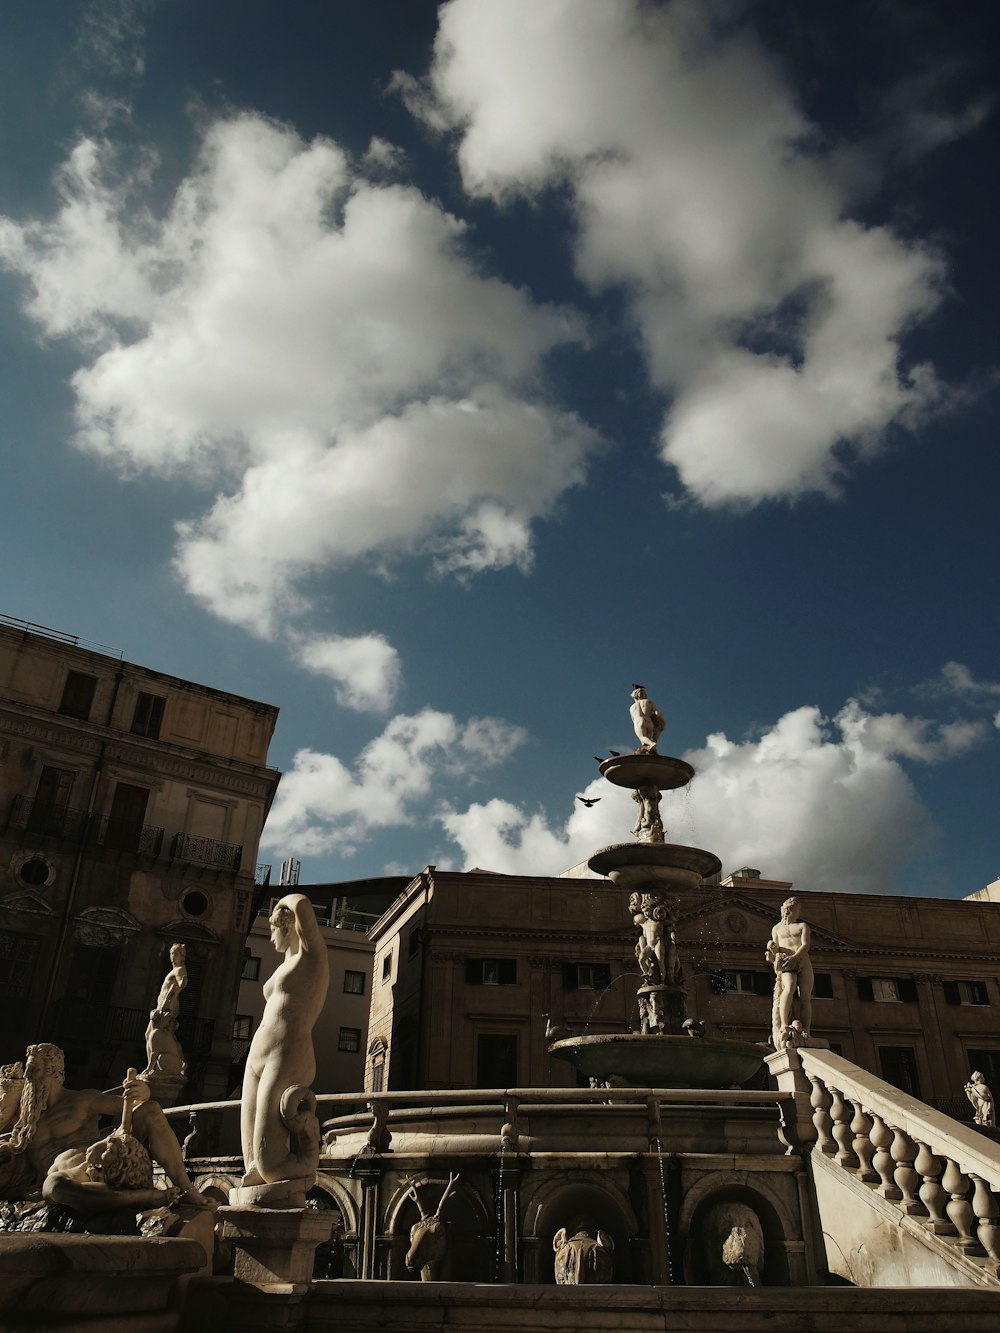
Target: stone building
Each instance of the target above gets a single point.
(470, 967)
(131, 807)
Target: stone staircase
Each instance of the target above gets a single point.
(906, 1196)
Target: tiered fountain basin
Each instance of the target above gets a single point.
(660, 1060)
(654, 865)
(656, 770)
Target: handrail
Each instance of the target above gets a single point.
(526, 1098)
(912, 1116)
(935, 1170)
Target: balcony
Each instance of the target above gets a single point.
(103, 1024)
(76, 826)
(46, 821)
(124, 837)
(206, 851)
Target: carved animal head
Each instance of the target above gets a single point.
(429, 1235)
(581, 1259)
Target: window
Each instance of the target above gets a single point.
(387, 967)
(194, 902)
(251, 968)
(148, 715)
(586, 976)
(496, 1060)
(354, 983)
(18, 955)
(34, 871)
(899, 1066)
(349, 1039)
(126, 818)
(490, 972)
(242, 1027)
(49, 808)
(822, 986)
(376, 1054)
(966, 992)
(78, 695)
(748, 983)
(888, 990)
(414, 942)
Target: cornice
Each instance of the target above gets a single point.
(233, 775)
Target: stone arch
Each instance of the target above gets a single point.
(471, 1238)
(577, 1200)
(341, 1200)
(703, 1208)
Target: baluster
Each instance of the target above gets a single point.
(881, 1137)
(904, 1150)
(932, 1196)
(984, 1205)
(958, 1207)
(864, 1149)
(842, 1132)
(820, 1101)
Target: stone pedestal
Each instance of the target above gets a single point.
(797, 1131)
(165, 1088)
(275, 1244)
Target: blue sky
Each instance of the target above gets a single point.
(434, 374)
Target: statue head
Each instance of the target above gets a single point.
(45, 1063)
(638, 692)
(283, 927)
(121, 1162)
(790, 909)
(44, 1071)
(178, 952)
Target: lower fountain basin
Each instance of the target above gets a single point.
(639, 865)
(656, 1060)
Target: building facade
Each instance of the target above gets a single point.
(469, 968)
(132, 804)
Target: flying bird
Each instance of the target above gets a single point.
(588, 801)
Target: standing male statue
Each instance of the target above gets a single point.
(647, 720)
(788, 953)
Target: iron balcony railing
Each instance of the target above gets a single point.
(47, 821)
(115, 1023)
(108, 832)
(206, 851)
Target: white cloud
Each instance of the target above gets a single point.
(773, 320)
(365, 669)
(316, 347)
(825, 804)
(323, 805)
(960, 679)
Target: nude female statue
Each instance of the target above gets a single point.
(279, 1129)
(163, 1052)
(788, 953)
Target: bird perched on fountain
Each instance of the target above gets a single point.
(588, 801)
(694, 1027)
(615, 754)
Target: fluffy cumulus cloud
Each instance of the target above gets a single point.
(324, 804)
(316, 346)
(772, 319)
(827, 804)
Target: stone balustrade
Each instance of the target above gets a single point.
(942, 1174)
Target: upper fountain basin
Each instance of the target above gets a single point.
(647, 770)
(640, 865)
